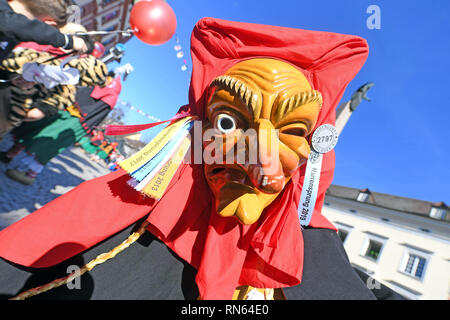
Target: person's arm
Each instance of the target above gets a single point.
(21, 29)
(34, 115)
(40, 111)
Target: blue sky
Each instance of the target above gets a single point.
(399, 143)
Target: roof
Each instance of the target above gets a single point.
(388, 201)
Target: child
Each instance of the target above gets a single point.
(19, 24)
(16, 27)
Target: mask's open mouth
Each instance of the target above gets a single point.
(221, 174)
(217, 170)
(235, 193)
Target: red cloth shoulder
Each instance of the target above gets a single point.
(74, 222)
(108, 94)
(42, 48)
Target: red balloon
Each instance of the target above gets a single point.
(99, 50)
(154, 21)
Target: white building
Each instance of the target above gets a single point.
(402, 243)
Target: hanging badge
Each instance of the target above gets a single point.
(323, 140)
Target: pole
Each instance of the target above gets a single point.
(345, 110)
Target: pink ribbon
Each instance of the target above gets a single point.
(117, 130)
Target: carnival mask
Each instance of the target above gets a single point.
(260, 113)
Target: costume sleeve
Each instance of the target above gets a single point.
(18, 57)
(92, 71)
(60, 97)
(21, 29)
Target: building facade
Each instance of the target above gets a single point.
(400, 242)
(106, 15)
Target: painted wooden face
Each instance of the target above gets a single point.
(260, 113)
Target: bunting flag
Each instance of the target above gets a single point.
(180, 54)
(153, 167)
(135, 109)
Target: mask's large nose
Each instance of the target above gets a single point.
(267, 173)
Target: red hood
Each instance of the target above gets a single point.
(268, 254)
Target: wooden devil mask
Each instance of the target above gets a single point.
(260, 113)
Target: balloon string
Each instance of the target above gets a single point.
(88, 33)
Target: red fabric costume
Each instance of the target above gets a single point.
(43, 48)
(108, 94)
(226, 254)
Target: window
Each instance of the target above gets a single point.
(110, 16)
(373, 246)
(363, 195)
(342, 234)
(404, 291)
(414, 263)
(343, 230)
(87, 9)
(373, 249)
(106, 2)
(438, 213)
(112, 28)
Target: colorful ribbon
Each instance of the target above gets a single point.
(153, 167)
(117, 130)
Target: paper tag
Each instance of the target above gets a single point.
(158, 185)
(150, 150)
(160, 161)
(141, 173)
(324, 139)
(310, 187)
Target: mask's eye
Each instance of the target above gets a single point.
(299, 132)
(225, 123)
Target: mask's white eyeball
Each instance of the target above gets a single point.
(225, 123)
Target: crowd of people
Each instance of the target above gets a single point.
(55, 89)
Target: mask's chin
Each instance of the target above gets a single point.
(239, 200)
(235, 195)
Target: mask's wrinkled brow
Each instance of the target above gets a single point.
(237, 87)
(293, 102)
(269, 89)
